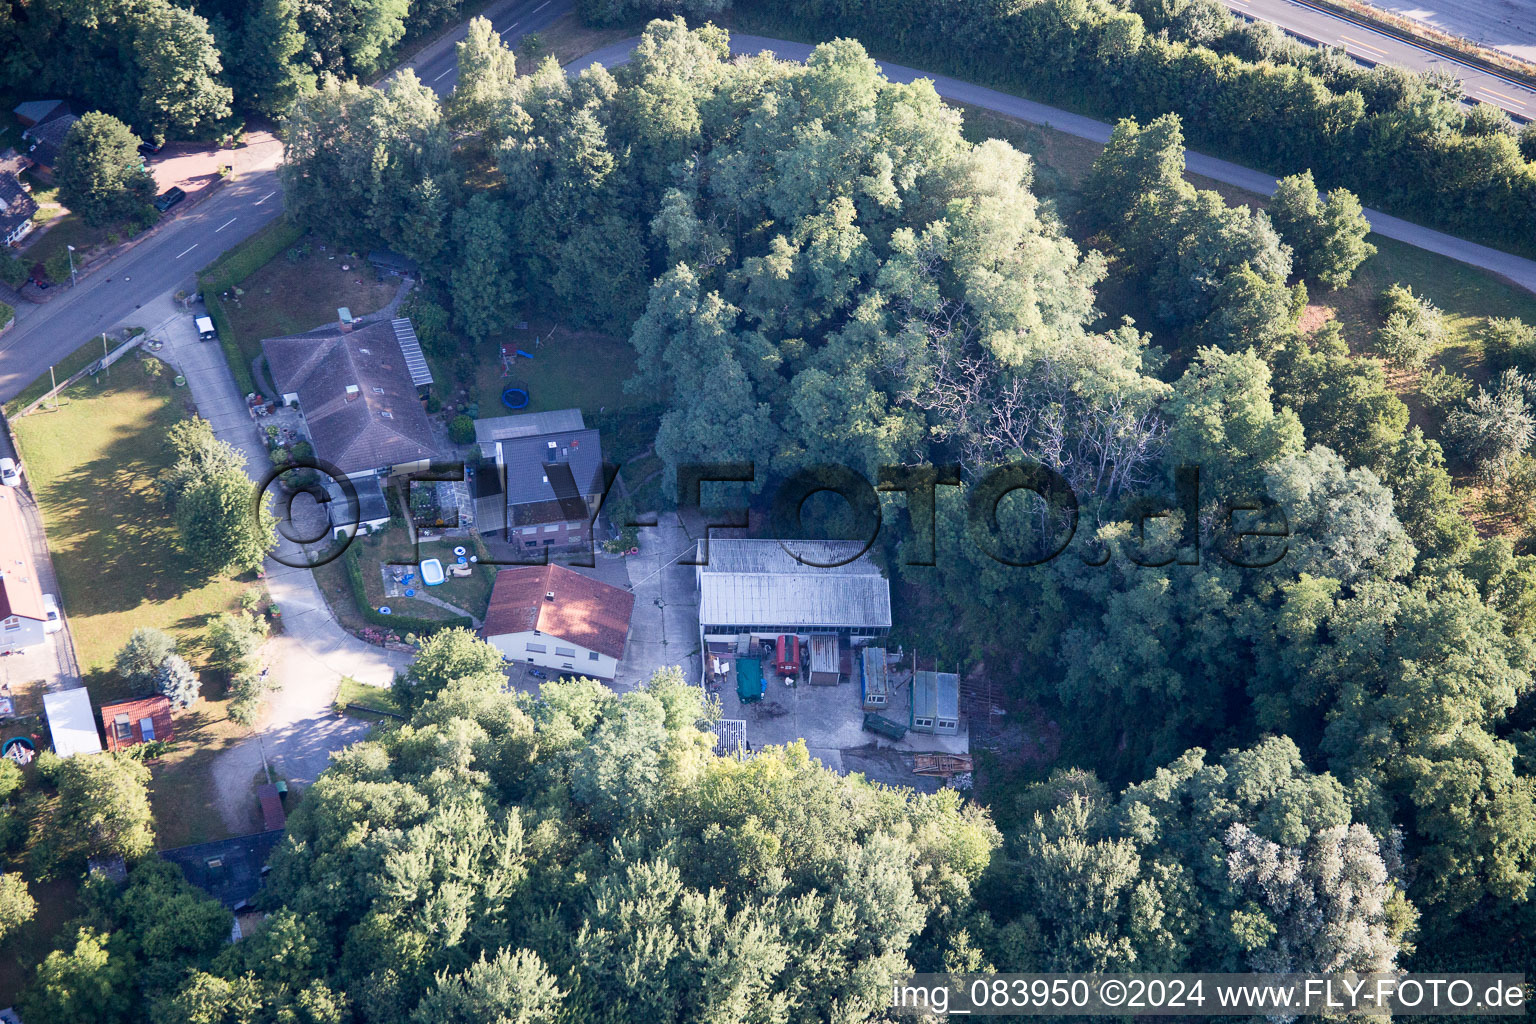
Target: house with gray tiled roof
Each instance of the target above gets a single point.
(45, 139)
(359, 387)
(16, 203)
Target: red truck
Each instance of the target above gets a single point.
(787, 659)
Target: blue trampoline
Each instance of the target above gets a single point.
(515, 398)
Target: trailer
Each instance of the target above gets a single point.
(874, 686)
(786, 661)
(883, 726)
(749, 680)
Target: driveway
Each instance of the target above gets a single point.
(298, 730)
(664, 627)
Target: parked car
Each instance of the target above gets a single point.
(150, 148)
(169, 198)
(9, 475)
(54, 621)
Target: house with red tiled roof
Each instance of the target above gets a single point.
(23, 615)
(131, 722)
(553, 617)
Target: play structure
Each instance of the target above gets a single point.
(19, 749)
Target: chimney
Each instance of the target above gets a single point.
(549, 596)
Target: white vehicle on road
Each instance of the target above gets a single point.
(54, 621)
(8, 473)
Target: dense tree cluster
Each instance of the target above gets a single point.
(577, 857)
(100, 173)
(187, 71)
(1400, 140)
(1300, 680)
(224, 527)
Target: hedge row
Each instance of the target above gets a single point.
(401, 624)
(250, 255)
(1377, 133)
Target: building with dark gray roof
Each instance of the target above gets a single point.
(359, 388)
(229, 870)
(45, 139)
(526, 424)
(550, 471)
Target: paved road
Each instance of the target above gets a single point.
(513, 19)
(169, 259)
(114, 294)
(1517, 269)
(1508, 25)
(1314, 25)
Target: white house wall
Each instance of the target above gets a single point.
(581, 662)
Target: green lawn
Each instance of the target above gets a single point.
(291, 296)
(92, 464)
(355, 695)
(569, 369)
(472, 593)
(77, 360)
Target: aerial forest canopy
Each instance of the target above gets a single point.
(1321, 763)
(814, 266)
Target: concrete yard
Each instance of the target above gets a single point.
(830, 720)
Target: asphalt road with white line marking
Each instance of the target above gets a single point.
(1363, 43)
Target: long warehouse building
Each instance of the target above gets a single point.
(753, 591)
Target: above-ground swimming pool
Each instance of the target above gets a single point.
(432, 572)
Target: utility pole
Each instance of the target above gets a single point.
(104, 354)
(71, 250)
(53, 387)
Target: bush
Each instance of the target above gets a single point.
(1510, 343)
(141, 657)
(1404, 343)
(1413, 329)
(1495, 429)
(246, 691)
(57, 267)
(177, 681)
(462, 430)
(234, 639)
(12, 271)
(6, 315)
(1443, 391)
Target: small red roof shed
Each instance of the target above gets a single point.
(131, 722)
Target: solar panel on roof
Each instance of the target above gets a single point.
(410, 347)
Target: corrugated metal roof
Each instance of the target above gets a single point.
(875, 680)
(71, 722)
(936, 695)
(759, 583)
(824, 653)
(527, 424)
(410, 347)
